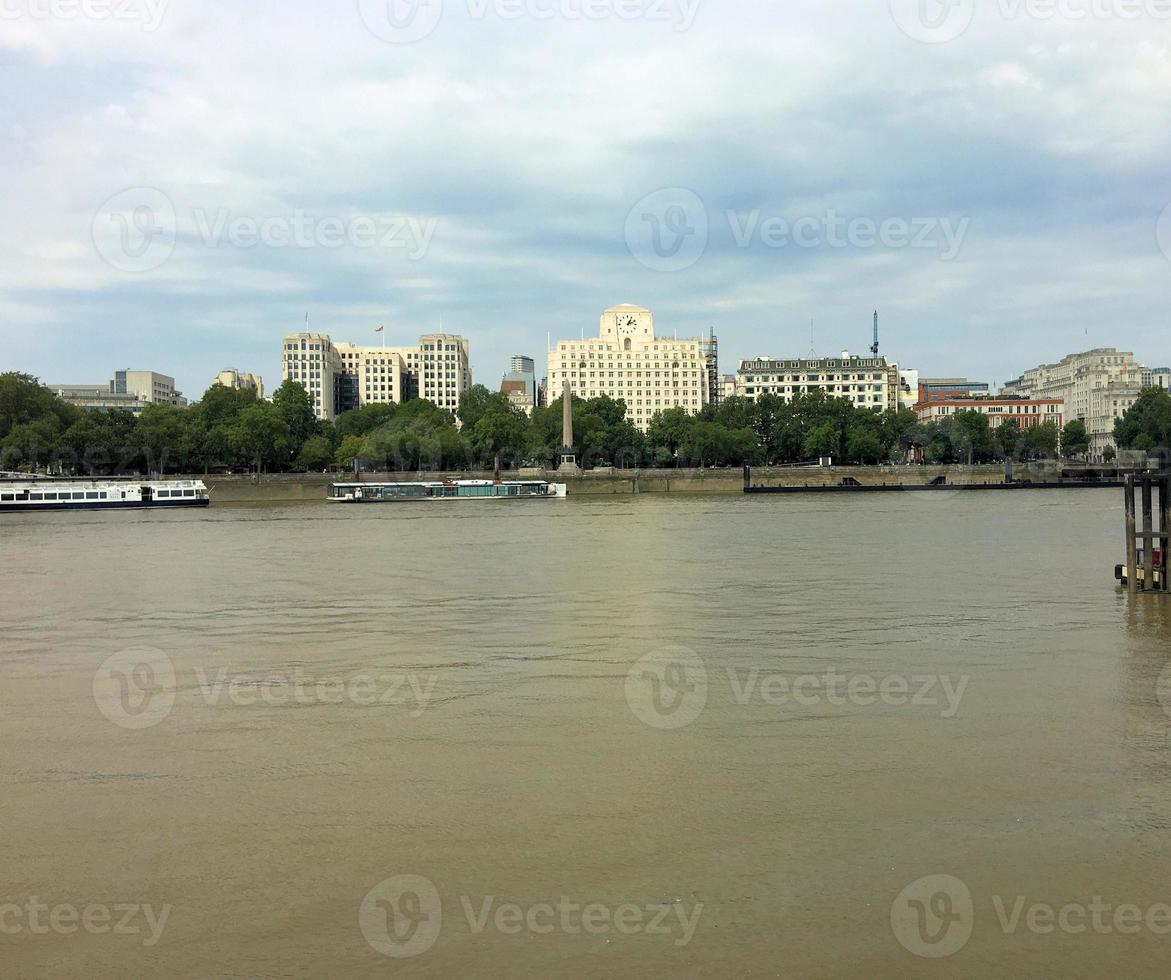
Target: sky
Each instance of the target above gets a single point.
(183, 182)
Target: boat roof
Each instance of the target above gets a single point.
(440, 483)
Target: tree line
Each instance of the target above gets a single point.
(232, 430)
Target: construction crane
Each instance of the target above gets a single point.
(874, 346)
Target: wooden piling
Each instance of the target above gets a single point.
(1164, 529)
(1131, 548)
(1148, 539)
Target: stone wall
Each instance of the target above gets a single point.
(312, 486)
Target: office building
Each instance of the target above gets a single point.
(1027, 413)
(340, 377)
(867, 381)
(1097, 387)
(627, 361)
(129, 390)
(239, 380)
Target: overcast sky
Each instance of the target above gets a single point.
(183, 181)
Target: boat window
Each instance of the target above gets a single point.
(7, 496)
(79, 496)
(50, 496)
(35, 496)
(91, 495)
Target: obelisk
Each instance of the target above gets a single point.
(568, 457)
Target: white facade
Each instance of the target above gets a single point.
(239, 380)
(342, 376)
(627, 361)
(1097, 386)
(868, 382)
(908, 388)
(150, 386)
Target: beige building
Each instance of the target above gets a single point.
(1027, 413)
(868, 382)
(1097, 386)
(627, 361)
(340, 377)
(130, 390)
(239, 380)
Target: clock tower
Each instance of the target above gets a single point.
(627, 323)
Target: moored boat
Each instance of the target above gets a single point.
(352, 493)
(24, 494)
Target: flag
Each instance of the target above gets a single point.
(378, 329)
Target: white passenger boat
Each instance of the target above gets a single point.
(354, 493)
(26, 494)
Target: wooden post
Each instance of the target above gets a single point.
(1131, 550)
(1148, 539)
(1164, 529)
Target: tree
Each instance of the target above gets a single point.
(351, 448)
(1109, 454)
(1075, 440)
(863, 446)
(23, 399)
(262, 436)
(315, 454)
(1041, 441)
(295, 406)
(971, 436)
(1146, 425)
(822, 441)
(1008, 437)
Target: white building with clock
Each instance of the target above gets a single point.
(626, 360)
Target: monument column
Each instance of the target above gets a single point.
(568, 457)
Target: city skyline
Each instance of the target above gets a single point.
(1000, 195)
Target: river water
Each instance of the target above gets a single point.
(649, 736)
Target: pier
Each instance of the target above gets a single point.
(1146, 548)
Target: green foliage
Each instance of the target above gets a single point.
(1146, 425)
(229, 429)
(1075, 441)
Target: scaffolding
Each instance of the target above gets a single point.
(709, 348)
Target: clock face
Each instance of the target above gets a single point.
(627, 324)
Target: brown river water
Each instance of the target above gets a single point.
(666, 736)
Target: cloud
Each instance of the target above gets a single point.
(524, 141)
